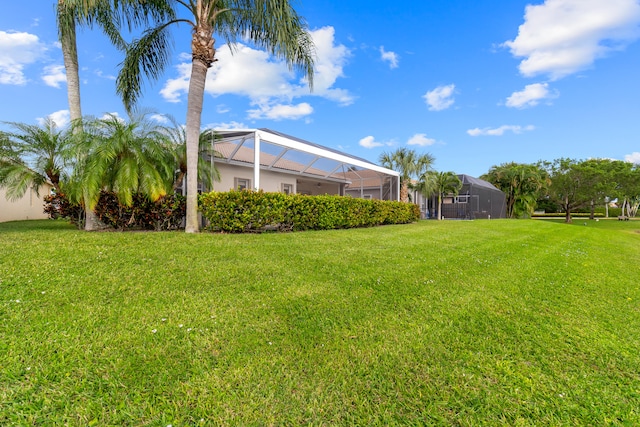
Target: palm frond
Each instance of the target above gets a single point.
(147, 56)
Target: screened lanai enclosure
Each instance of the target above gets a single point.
(263, 159)
(477, 199)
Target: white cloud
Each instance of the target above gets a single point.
(160, 118)
(222, 109)
(370, 142)
(61, 118)
(421, 140)
(281, 111)
(561, 37)
(228, 125)
(267, 81)
(111, 116)
(633, 158)
(173, 88)
(500, 131)
(440, 98)
(54, 75)
(390, 57)
(530, 96)
(101, 74)
(18, 50)
(330, 61)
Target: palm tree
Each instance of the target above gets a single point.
(207, 172)
(31, 155)
(271, 24)
(125, 157)
(109, 15)
(521, 183)
(408, 164)
(440, 183)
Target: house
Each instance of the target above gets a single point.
(264, 159)
(477, 199)
(30, 206)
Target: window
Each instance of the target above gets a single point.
(366, 196)
(462, 199)
(242, 184)
(287, 188)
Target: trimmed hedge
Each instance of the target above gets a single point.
(562, 215)
(257, 211)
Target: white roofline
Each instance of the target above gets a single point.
(311, 149)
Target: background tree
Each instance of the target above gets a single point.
(628, 190)
(569, 185)
(31, 155)
(600, 178)
(441, 184)
(270, 24)
(521, 183)
(409, 164)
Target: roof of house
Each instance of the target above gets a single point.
(286, 153)
(466, 179)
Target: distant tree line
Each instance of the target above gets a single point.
(567, 185)
(563, 185)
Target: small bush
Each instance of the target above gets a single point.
(166, 213)
(58, 206)
(255, 211)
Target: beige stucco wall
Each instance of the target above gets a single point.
(271, 181)
(30, 206)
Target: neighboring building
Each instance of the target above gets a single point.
(30, 206)
(274, 162)
(477, 199)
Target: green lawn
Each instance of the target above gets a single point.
(452, 323)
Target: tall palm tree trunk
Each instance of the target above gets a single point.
(70, 57)
(203, 56)
(404, 191)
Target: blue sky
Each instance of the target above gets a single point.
(476, 83)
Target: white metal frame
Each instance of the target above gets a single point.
(290, 143)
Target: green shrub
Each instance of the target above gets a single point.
(58, 206)
(573, 215)
(167, 213)
(613, 212)
(254, 211)
(242, 211)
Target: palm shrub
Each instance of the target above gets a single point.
(31, 155)
(124, 157)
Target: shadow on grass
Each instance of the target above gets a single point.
(34, 225)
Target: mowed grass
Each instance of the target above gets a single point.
(463, 323)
